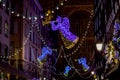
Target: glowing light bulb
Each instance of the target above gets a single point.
(29, 18)
(57, 7)
(12, 12)
(92, 72)
(18, 15)
(47, 14)
(3, 5)
(52, 11)
(23, 17)
(61, 3)
(41, 16)
(35, 18)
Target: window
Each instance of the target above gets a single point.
(6, 29)
(0, 24)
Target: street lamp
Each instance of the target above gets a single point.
(99, 46)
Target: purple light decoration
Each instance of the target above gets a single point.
(45, 51)
(63, 26)
(117, 27)
(84, 64)
(67, 69)
(116, 37)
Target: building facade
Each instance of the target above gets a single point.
(4, 34)
(20, 39)
(106, 14)
(25, 39)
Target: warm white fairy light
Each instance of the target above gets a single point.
(3, 5)
(61, 3)
(57, 7)
(47, 14)
(8, 8)
(92, 72)
(41, 16)
(18, 15)
(12, 12)
(23, 17)
(52, 11)
(35, 18)
(96, 79)
(30, 18)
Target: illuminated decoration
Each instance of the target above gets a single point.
(49, 16)
(99, 46)
(112, 49)
(111, 54)
(83, 37)
(63, 25)
(67, 69)
(34, 23)
(45, 52)
(84, 64)
(116, 33)
(92, 72)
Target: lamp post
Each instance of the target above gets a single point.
(99, 46)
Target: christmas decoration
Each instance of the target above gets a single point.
(63, 25)
(45, 52)
(67, 69)
(116, 33)
(84, 64)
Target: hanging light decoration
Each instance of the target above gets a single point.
(61, 3)
(45, 51)
(69, 39)
(84, 64)
(66, 71)
(57, 7)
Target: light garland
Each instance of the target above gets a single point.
(51, 12)
(34, 23)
